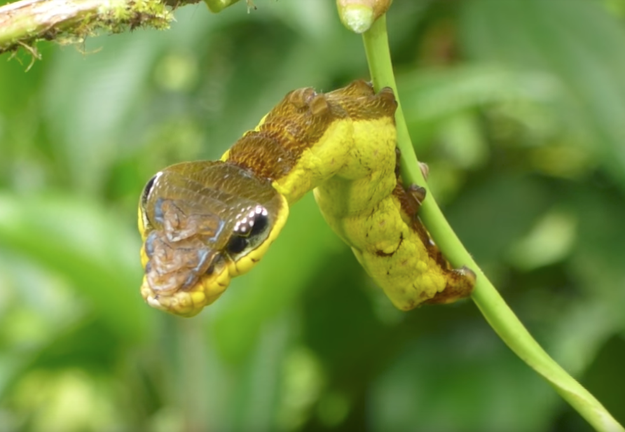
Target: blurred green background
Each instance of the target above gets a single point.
(518, 106)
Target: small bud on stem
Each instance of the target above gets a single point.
(359, 15)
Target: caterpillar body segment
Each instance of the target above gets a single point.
(206, 222)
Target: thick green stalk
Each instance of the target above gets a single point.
(486, 297)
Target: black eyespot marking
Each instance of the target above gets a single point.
(260, 223)
(237, 245)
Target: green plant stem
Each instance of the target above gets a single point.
(491, 304)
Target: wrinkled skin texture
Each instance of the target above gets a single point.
(206, 222)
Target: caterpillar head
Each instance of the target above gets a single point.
(202, 224)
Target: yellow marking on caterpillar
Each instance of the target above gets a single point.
(204, 223)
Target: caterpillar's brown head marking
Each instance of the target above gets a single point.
(203, 223)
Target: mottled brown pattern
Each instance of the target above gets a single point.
(292, 126)
(408, 204)
(342, 143)
(299, 121)
(264, 155)
(459, 281)
(459, 285)
(364, 104)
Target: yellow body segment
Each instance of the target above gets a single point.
(352, 170)
(341, 144)
(358, 203)
(318, 163)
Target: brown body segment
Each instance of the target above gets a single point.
(299, 121)
(205, 222)
(275, 147)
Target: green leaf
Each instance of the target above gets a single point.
(577, 42)
(85, 244)
(476, 375)
(431, 97)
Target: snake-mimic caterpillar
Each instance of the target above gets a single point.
(208, 221)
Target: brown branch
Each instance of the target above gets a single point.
(25, 22)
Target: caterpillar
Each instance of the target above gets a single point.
(205, 222)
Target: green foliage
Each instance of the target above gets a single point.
(517, 107)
